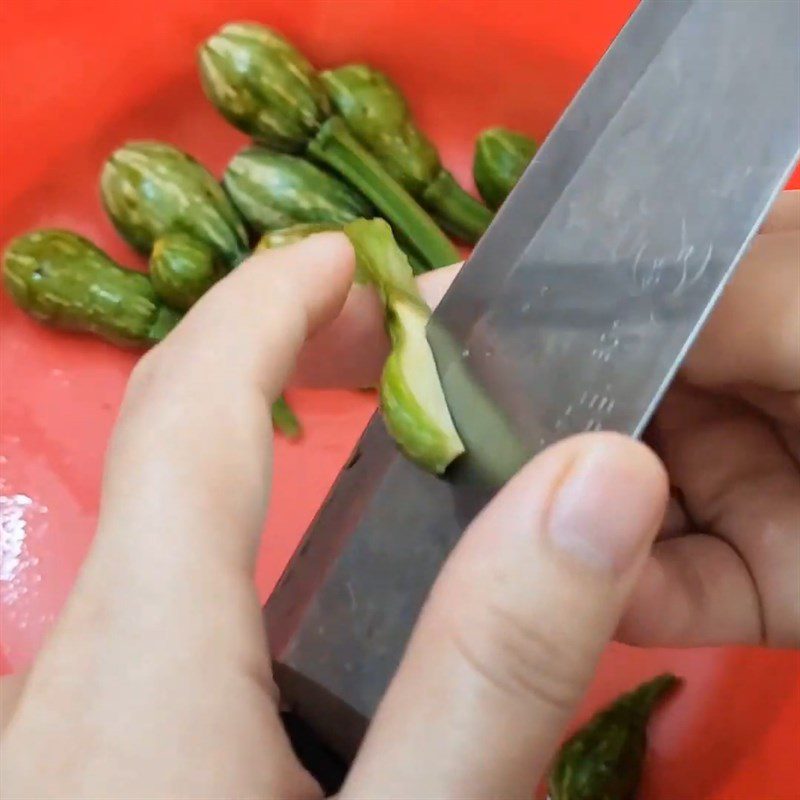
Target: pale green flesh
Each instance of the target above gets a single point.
(419, 368)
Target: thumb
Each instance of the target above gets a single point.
(514, 626)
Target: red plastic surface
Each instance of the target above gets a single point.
(78, 78)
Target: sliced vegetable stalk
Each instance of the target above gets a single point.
(378, 115)
(274, 191)
(150, 189)
(265, 87)
(413, 403)
(501, 156)
(604, 759)
(65, 281)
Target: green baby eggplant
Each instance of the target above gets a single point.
(501, 156)
(275, 190)
(261, 84)
(182, 269)
(151, 188)
(604, 759)
(378, 115)
(65, 281)
(412, 401)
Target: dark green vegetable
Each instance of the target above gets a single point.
(412, 400)
(151, 188)
(263, 86)
(604, 759)
(62, 279)
(335, 146)
(501, 156)
(275, 190)
(182, 269)
(378, 115)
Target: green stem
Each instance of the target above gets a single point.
(285, 420)
(457, 211)
(336, 147)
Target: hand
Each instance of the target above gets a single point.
(727, 566)
(156, 683)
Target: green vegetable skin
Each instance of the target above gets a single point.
(377, 113)
(604, 759)
(293, 234)
(266, 88)
(150, 189)
(274, 191)
(182, 269)
(501, 156)
(412, 400)
(62, 279)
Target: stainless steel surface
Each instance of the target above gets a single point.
(572, 314)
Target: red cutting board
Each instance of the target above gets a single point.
(78, 78)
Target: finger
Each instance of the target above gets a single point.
(350, 351)
(784, 214)
(740, 482)
(753, 335)
(11, 687)
(694, 591)
(162, 640)
(512, 631)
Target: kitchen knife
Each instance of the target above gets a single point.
(572, 314)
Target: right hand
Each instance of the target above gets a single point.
(726, 567)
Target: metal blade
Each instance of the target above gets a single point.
(572, 314)
(577, 305)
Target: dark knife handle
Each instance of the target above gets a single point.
(325, 766)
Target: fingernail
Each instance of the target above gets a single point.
(610, 504)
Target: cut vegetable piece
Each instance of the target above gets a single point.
(412, 400)
(413, 403)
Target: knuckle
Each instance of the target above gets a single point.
(522, 658)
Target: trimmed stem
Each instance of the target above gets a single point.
(457, 211)
(285, 420)
(336, 147)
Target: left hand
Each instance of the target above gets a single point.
(156, 680)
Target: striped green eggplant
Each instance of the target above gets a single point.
(266, 88)
(151, 188)
(64, 280)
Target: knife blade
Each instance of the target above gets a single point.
(573, 313)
